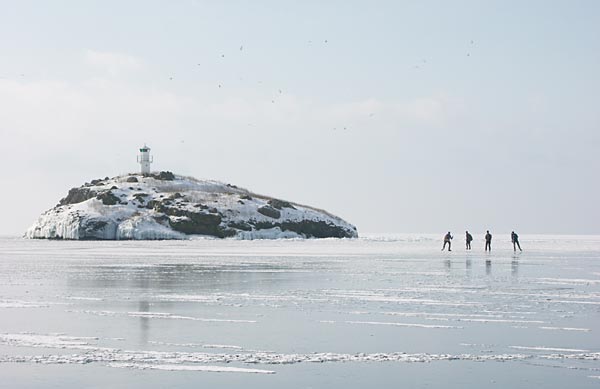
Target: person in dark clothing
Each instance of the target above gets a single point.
(488, 241)
(447, 240)
(515, 241)
(468, 239)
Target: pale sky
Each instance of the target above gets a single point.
(399, 116)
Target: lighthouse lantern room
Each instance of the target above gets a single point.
(145, 159)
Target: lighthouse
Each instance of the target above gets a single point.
(145, 159)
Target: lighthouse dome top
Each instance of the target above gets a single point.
(144, 149)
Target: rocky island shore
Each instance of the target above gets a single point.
(167, 206)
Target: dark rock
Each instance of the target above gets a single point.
(197, 223)
(190, 222)
(113, 187)
(132, 179)
(316, 229)
(108, 198)
(140, 197)
(213, 210)
(94, 225)
(308, 228)
(97, 229)
(240, 226)
(78, 195)
(229, 232)
(176, 195)
(162, 219)
(164, 176)
(279, 204)
(241, 202)
(269, 211)
(263, 225)
(246, 197)
(164, 207)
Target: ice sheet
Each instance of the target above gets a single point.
(303, 310)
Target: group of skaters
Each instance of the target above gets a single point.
(488, 241)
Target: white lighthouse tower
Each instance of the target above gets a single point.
(145, 159)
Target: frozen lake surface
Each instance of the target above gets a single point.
(387, 310)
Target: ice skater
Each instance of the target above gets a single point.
(468, 239)
(515, 241)
(447, 240)
(488, 241)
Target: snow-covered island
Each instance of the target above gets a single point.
(166, 206)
